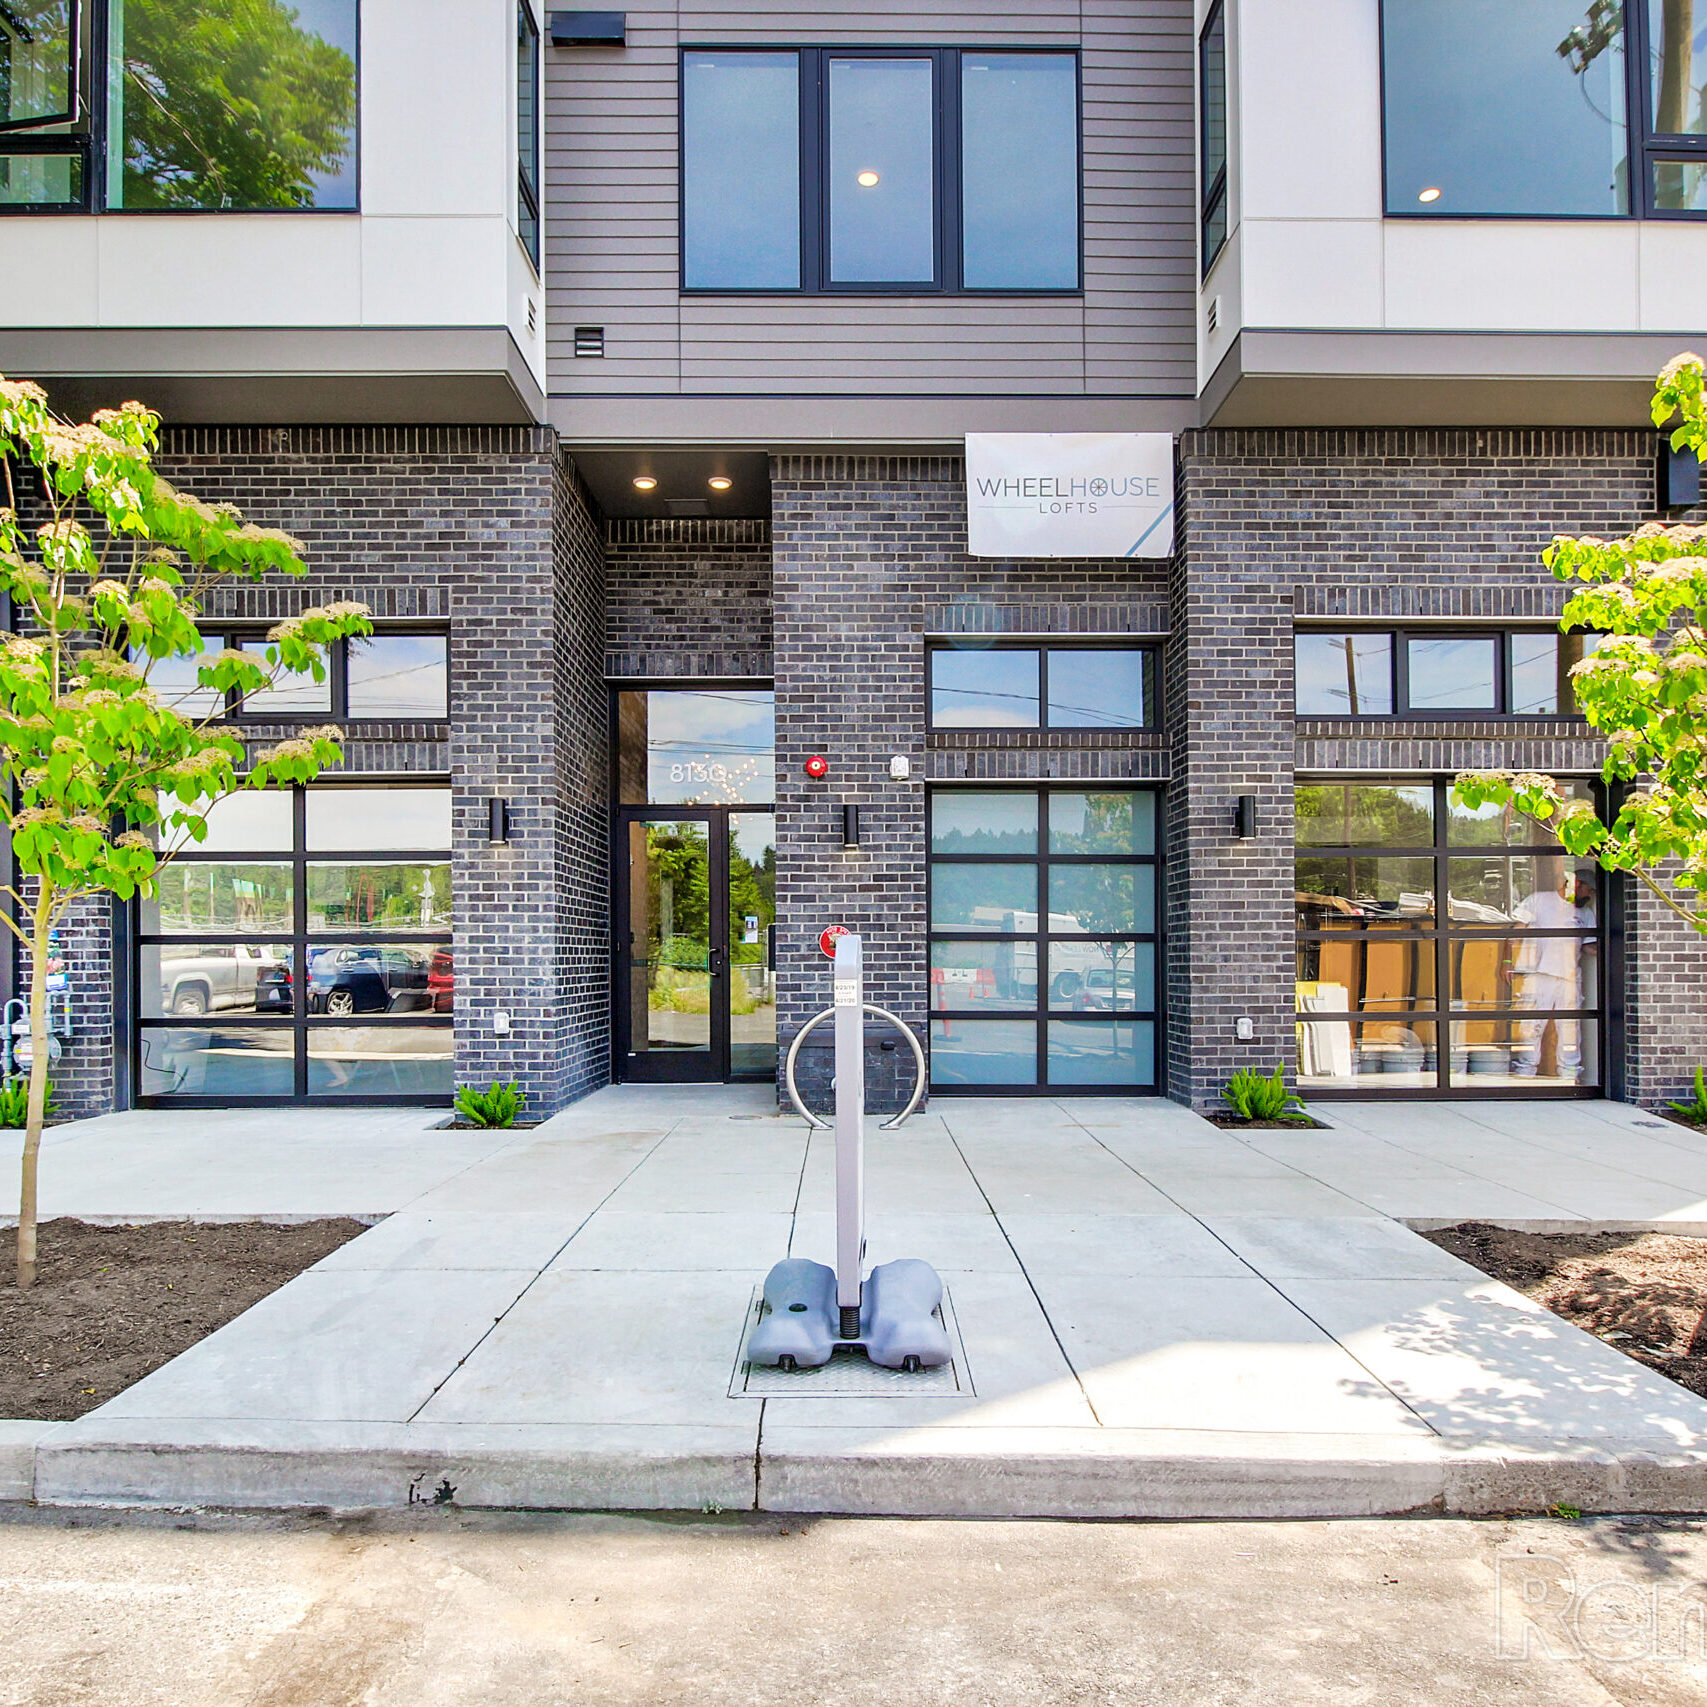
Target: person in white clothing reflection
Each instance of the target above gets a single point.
(1550, 973)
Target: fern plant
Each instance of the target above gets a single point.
(15, 1102)
(1695, 1111)
(1251, 1096)
(497, 1106)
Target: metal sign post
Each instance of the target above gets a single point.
(810, 1310)
(849, 1003)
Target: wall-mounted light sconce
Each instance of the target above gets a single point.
(497, 820)
(900, 768)
(850, 826)
(1245, 817)
(1680, 478)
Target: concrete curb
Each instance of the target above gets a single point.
(971, 1472)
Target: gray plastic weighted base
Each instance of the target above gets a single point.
(800, 1323)
(897, 1316)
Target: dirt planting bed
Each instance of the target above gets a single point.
(111, 1304)
(1645, 1293)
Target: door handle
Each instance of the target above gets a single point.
(716, 960)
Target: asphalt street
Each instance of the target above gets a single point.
(439, 1606)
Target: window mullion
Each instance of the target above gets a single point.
(950, 264)
(814, 190)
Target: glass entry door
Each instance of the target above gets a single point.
(696, 988)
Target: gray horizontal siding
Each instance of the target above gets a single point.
(611, 196)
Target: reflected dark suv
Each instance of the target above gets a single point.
(368, 978)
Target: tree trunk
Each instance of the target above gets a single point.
(1676, 81)
(38, 1091)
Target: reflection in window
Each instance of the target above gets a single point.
(1453, 674)
(211, 105)
(174, 679)
(381, 1061)
(527, 129)
(1495, 108)
(882, 171)
(1087, 956)
(251, 821)
(379, 895)
(1344, 675)
(741, 171)
(697, 747)
(398, 675)
(995, 823)
(1097, 690)
(210, 895)
(295, 690)
(984, 690)
(354, 820)
(189, 979)
(1212, 106)
(1364, 814)
(1020, 171)
(37, 72)
(1677, 51)
(1504, 826)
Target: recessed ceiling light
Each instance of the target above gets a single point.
(720, 483)
(644, 483)
(866, 180)
(1431, 194)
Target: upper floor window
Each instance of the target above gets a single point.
(177, 105)
(820, 169)
(1212, 108)
(1432, 673)
(1553, 107)
(1055, 687)
(527, 129)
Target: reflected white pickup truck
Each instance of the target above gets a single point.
(209, 976)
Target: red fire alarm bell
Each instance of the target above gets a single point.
(827, 938)
(817, 767)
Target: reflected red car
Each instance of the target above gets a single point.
(441, 981)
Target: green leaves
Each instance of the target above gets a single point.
(102, 767)
(1644, 687)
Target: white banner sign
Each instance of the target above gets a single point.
(1070, 494)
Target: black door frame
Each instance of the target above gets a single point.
(670, 1066)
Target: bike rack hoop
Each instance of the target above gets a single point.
(900, 1025)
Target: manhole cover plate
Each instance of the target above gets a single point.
(850, 1374)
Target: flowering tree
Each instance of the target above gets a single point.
(1644, 687)
(100, 775)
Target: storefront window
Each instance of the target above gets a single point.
(266, 969)
(1422, 920)
(1044, 938)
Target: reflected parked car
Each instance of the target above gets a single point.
(368, 978)
(210, 977)
(441, 980)
(1106, 992)
(274, 989)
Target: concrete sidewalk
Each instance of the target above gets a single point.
(1159, 1318)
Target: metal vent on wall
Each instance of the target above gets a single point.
(688, 506)
(1213, 317)
(589, 340)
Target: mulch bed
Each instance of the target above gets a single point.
(1233, 1123)
(1645, 1293)
(111, 1304)
(475, 1126)
(1682, 1120)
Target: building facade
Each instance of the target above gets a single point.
(625, 366)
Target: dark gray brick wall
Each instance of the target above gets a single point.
(1372, 524)
(487, 530)
(869, 558)
(688, 598)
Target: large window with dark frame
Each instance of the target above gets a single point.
(302, 950)
(527, 129)
(1442, 949)
(1044, 939)
(393, 675)
(1008, 686)
(1551, 108)
(178, 105)
(912, 170)
(1212, 117)
(1437, 672)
